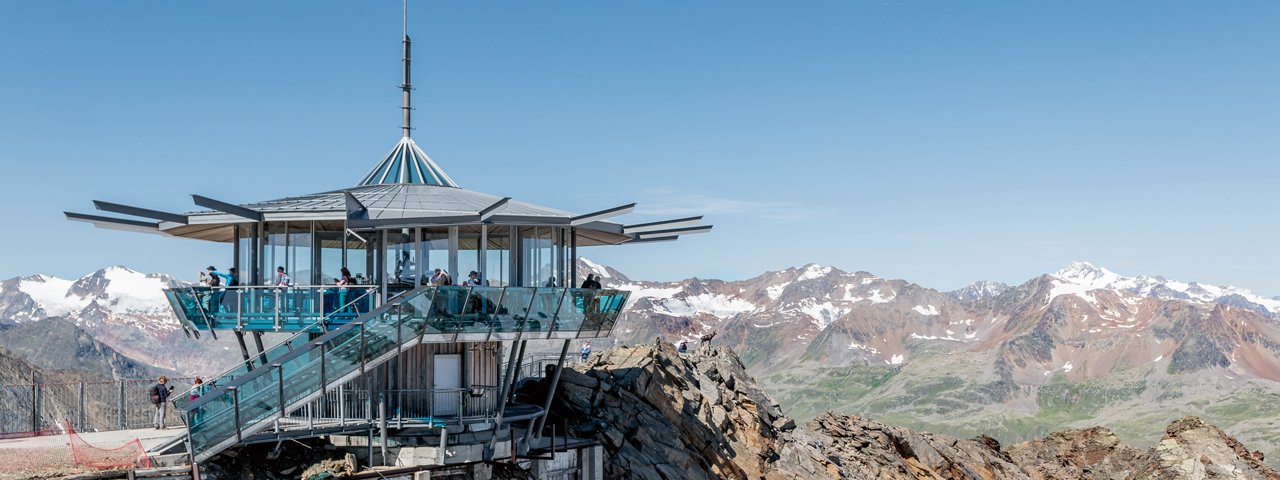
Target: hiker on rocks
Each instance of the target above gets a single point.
(159, 398)
(585, 351)
(683, 347)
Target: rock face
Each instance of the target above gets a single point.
(858, 448)
(664, 415)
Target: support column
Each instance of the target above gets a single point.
(262, 352)
(551, 390)
(502, 398)
(244, 349)
(573, 256)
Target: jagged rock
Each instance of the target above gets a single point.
(1192, 448)
(1088, 453)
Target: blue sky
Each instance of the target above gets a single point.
(940, 142)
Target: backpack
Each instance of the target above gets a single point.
(155, 394)
(215, 280)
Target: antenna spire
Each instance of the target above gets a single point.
(406, 86)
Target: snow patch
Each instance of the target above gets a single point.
(1067, 367)
(599, 269)
(824, 313)
(133, 291)
(775, 291)
(719, 306)
(895, 360)
(813, 272)
(53, 295)
(929, 310)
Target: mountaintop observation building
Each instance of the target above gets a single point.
(398, 352)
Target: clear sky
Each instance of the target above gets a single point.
(940, 142)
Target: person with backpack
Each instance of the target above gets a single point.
(159, 398)
(217, 282)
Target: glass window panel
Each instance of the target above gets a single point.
(537, 258)
(401, 261)
(299, 261)
(435, 248)
(393, 173)
(469, 256)
(361, 256)
(275, 252)
(330, 256)
(497, 261)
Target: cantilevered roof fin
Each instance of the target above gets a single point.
(139, 212)
(228, 208)
(602, 214)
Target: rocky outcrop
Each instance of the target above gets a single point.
(664, 415)
(860, 448)
(1192, 448)
(1089, 453)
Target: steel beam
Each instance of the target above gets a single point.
(139, 212)
(228, 208)
(602, 214)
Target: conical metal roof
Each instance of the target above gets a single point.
(407, 164)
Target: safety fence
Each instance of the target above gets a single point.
(89, 406)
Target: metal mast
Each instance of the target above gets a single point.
(406, 87)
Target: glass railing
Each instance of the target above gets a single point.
(245, 400)
(288, 309)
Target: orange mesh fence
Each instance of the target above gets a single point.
(131, 454)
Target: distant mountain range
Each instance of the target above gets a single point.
(1072, 348)
(119, 308)
(1076, 347)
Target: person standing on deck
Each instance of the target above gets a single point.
(282, 279)
(159, 399)
(344, 281)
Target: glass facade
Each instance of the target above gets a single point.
(400, 259)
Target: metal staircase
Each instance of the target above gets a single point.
(249, 399)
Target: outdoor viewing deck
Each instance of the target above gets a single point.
(466, 313)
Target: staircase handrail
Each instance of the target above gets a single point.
(310, 345)
(187, 394)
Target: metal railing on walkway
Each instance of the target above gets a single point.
(40, 407)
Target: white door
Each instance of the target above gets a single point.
(447, 382)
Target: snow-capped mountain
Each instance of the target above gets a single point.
(122, 308)
(980, 290)
(1082, 277)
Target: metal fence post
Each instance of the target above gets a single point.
(80, 408)
(35, 402)
(120, 408)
